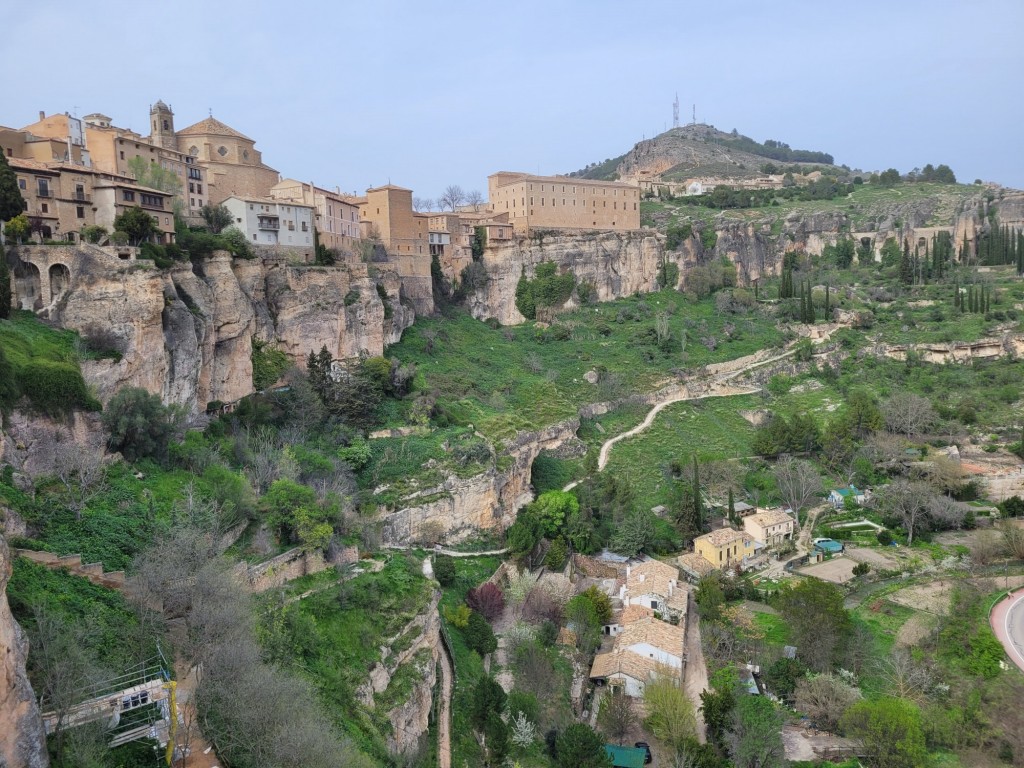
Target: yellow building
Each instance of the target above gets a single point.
(724, 547)
(562, 202)
(386, 214)
(232, 163)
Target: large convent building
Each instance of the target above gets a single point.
(563, 202)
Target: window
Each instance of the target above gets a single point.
(43, 187)
(192, 202)
(199, 189)
(80, 212)
(44, 207)
(122, 154)
(21, 184)
(154, 201)
(79, 192)
(304, 227)
(191, 187)
(128, 196)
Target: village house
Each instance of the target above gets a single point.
(563, 202)
(837, 498)
(771, 527)
(653, 638)
(655, 585)
(629, 671)
(725, 547)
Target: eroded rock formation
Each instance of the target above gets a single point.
(22, 739)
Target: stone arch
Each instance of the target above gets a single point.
(60, 280)
(922, 242)
(28, 285)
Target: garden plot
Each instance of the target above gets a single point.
(872, 557)
(838, 570)
(935, 597)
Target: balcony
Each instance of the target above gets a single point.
(269, 222)
(47, 192)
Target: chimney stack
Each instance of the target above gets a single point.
(42, 115)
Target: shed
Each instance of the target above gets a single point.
(625, 757)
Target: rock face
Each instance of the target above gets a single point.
(1008, 345)
(488, 500)
(186, 333)
(22, 739)
(28, 442)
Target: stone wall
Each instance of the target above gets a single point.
(290, 565)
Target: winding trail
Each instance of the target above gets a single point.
(716, 388)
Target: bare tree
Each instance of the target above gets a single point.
(1013, 539)
(798, 482)
(907, 500)
(908, 414)
(422, 204)
(945, 513)
(474, 198)
(452, 197)
(825, 698)
(80, 470)
(616, 717)
(904, 677)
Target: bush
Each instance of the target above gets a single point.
(93, 233)
(444, 570)
(556, 556)
(119, 238)
(268, 364)
(547, 289)
(479, 635)
(488, 600)
(55, 388)
(884, 538)
(235, 242)
(140, 425)
(676, 235)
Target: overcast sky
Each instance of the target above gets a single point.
(428, 94)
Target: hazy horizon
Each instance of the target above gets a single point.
(429, 96)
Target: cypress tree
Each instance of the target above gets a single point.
(906, 265)
(732, 507)
(5, 288)
(828, 308)
(756, 283)
(810, 304)
(11, 201)
(698, 505)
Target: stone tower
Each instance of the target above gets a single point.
(161, 121)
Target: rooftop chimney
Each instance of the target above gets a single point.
(42, 115)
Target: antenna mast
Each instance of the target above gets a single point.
(675, 112)
(694, 114)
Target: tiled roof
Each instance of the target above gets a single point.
(213, 127)
(652, 577)
(635, 612)
(770, 517)
(724, 536)
(630, 664)
(659, 634)
(694, 563)
(28, 165)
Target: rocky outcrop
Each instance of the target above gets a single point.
(186, 333)
(1008, 345)
(461, 507)
(22, 739)
(28, 442)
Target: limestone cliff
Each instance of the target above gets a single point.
(22, 739)
(186, 333)
(461, 507)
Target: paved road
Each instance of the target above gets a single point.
(1007, 621)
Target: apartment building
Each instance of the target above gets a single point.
(561, 202)
(269, 222)
(724, 547)
(337, 217)
(386, 214)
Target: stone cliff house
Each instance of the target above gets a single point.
(270, 222)
(337, 217)
(562, 202)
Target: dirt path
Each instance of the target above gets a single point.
(718, 388)
(1007, 620)
(696, 675)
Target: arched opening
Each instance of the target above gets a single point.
(27, 285)
(922, 242)
(865, 242)
(60, 280)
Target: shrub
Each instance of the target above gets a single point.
(93, 233)
(268, 364)
(676, 235)
(118, 237)
(488, 600)
(546, 289)
(457, 616)
(884, 538)
(140, 425)
(556, 556)
(444, 570)
(235, 242)
(55, 388)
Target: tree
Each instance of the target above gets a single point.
(819, 624)
(479, 635)
(217, 217)
(11, 201)
(825, 699)
(579, 746)
(709, 596)
(444, 570)
(5, 288)
(150, 174)
(756, 739)
(452, 197)
(553, 509)
(18, 228)
(140, 425)
(634, 534)
(474, 198)
(137, 224)
(80, 470)
(617, 717)
(718, 702)
(908, 414)
(890, 731)
(524, 731)
(487, 600)
(904, 676)
(488, 698)
(798, 482)
(670, 716)
(905, 500)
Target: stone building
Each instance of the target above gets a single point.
(233, 165)
(771, 527)
(114, 150)
(337, 217)
(724, 547)
(270, 222)
(63, 198)
(561, 202)
(386, 214)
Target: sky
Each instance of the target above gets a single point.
(424, 95)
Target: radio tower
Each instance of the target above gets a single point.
(675, 112)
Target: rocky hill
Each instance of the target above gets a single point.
(698, 150)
